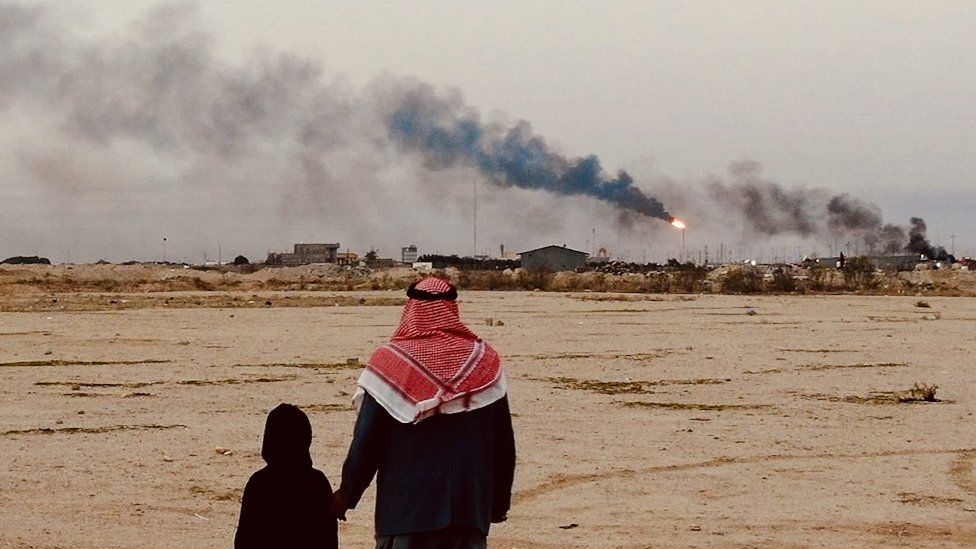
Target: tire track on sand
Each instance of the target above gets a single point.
(960, 469)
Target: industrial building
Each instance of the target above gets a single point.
(553, 258)
(305, 254)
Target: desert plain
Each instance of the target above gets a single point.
(641, 420)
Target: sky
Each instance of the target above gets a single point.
(873, 99)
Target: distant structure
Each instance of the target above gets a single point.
(895, 262)
(602, 256)
(347, 258)
(506, 254)
(408, 254)
(305, 254)
(553, 258)
(882, 262)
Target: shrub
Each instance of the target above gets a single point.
(742, 281)
(531, 280)
(920, 392)
(818, 278)
(688, 279)
(782, 282)
(859, 274)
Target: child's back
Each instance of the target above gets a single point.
(286, 504)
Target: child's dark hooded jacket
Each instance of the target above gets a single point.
(286, 504)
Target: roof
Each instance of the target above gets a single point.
(553, 246)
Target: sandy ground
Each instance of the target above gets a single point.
(668, 421)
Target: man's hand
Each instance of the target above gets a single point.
(339, 505)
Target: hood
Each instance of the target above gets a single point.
(287, 438)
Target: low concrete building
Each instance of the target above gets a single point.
(553, 258)
(408, 254)
(347, 258)
(305, 254)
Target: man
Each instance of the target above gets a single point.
(434, 427)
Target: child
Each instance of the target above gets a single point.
(286, 504)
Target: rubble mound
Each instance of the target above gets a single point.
(26, 260)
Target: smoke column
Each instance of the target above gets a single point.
(449, 133)
(766, 209)
(918, 241)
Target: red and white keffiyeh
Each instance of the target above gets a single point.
(433, 364)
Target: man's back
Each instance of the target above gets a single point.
(447, 470)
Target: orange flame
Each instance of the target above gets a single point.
(678, 223)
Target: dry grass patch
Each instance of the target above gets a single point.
(217, 495)
(659, 353)
(88, 430)
(98, 384)
(218, 300)
(625, 387)
(891, 319)
(819, 350)
(236, 381)
(350, 364)
(918, 393)
(694, 406)
(818, 367)
(766, 371)
(40, 363)
(920, 499)
(602, 387)
(631, 297)
(326, 407)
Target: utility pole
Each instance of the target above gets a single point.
(952, 238)
(682, 245)
(475, 220)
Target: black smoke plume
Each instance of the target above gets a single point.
(766, 209)
(448, 133)
(918, 241)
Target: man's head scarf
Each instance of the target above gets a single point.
(433, 364)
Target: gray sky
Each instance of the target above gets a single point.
(876, 99)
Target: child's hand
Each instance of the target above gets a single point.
(339, 506)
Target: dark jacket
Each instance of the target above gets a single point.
(286, 504)
(447, 470)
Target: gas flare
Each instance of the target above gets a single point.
(678, 223)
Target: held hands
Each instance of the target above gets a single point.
(339, 505)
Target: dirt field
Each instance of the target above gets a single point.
(655, 421)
